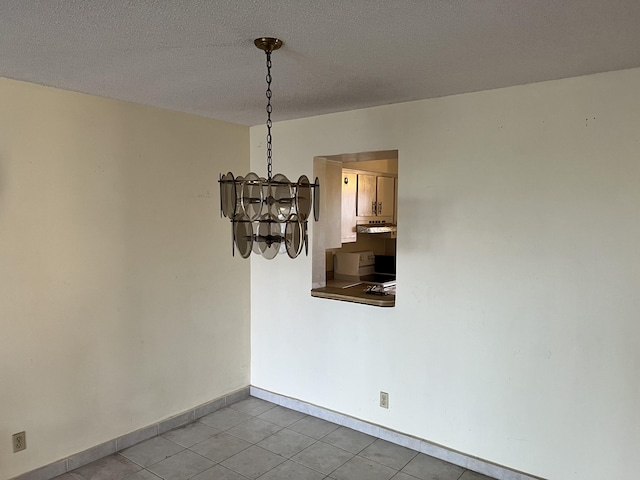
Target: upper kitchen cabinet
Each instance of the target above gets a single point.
(386, 196)
(367, 200)
(375, 198)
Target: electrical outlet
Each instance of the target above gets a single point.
(19, 441)
(384, 399)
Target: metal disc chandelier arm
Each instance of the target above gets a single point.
(269, 215)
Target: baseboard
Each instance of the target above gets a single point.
(469, 462)
(92, 454)
(97, 452)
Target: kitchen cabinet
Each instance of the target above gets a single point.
(330, 198)
(385, 187)
(367, 201)
(349, 196)
(375, 198)
(367, 197)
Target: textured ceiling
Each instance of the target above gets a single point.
(198, 56)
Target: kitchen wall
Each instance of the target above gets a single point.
(384, 166)
(514, 336)
(120, 304)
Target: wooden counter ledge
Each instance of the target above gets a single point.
(354, 294)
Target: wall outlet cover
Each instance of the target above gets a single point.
(19, 441)
(384, 399)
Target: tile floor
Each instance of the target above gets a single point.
(255, 439)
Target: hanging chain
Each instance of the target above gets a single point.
(269, 108)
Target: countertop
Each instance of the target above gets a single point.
(353, 293)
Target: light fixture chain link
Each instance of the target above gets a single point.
(269, 123)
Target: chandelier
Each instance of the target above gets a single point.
(268, 215)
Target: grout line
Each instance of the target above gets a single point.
(130, 459)
(400, 469)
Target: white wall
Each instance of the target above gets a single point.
(515, 333)
(120, 304)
